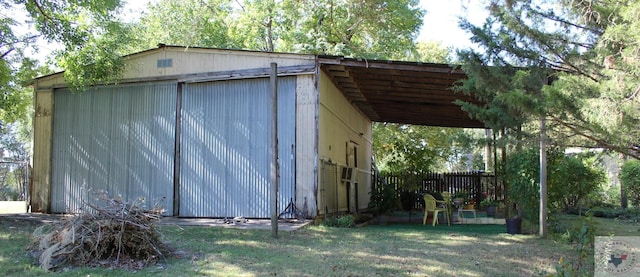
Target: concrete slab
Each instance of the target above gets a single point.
(13, 207)
(239, 223)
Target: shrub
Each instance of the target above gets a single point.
(630, 179)
(574, 179)
(522, 173)
(343, 221)
(570, 180)
(607, 212)
(383, 199)
(582, 235)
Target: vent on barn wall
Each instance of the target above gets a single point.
(165, 63)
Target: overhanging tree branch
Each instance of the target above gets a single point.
(602, 142)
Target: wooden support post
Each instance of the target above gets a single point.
(275, 168)
(487, 151)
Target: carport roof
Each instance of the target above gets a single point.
(401, 92)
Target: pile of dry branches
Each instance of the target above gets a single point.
(118, 234)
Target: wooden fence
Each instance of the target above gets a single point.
(479, 185)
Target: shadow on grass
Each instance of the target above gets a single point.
(15, 236)
(486, 229)
(391, 250)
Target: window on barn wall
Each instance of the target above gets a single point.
(352, 154)
(352, 179)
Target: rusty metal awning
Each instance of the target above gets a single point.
(401, 92)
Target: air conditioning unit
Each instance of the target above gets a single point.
(348, 174)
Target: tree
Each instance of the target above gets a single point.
(91, 35)
(366, 29)
(410, 148)
(187, 23)
(369, 29)
(431, 52)
(574, 62)
(88, 56)
(630, 179)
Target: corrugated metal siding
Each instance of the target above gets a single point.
(116, 139)
(225, 147)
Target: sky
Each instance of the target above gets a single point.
(441, 21)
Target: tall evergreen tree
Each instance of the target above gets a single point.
(574, 62)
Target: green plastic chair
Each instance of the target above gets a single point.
(432, 205)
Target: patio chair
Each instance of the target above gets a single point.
(434, 206)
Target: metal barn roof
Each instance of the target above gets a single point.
(401, 92)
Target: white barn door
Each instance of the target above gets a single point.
(224, 146)
(114, 139)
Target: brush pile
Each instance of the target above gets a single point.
(117, 235)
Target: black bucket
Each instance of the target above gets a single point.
(514, 225)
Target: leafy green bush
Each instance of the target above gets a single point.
(383, 199)
(582, 234)
(607, 212)
(570, 180)
(343, 221)
(630, 179)
(573, 179)
(522, 173)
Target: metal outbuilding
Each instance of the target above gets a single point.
(189, 129)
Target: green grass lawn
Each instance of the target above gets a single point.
(392, 250)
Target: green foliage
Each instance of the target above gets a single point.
(431, 52)
(12, 148)
(401, 148)
(582, 234)
(188, 23)
(573, 179)
(342, 221)
(569, 180)
(522, 173)
(591, 95)
(366, 29)
(630, 180)
(607, 212)
(88, 32)
(98, 61)
(383, 199)
(92, 38)
(462, 194)
(488, 202)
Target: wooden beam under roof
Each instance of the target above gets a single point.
(401, 92)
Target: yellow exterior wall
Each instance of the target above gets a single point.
(43, 128)
(195, 60)
(192, 63)
(340, 123)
